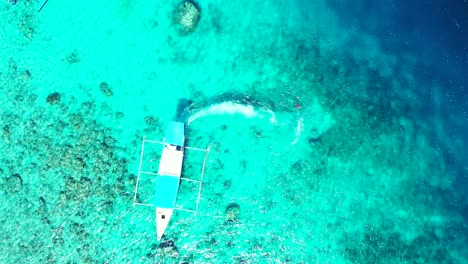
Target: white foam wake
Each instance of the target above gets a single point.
(231, 108)
(299, 128)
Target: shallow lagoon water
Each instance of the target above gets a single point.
(336, 132)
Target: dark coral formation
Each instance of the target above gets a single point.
(26, 25)
(12, 184)
(73, 57)
(384, 246)
(105, 89)
(227, 184)
(153, 125)
(166, 251)
(53, 98)
(74, 159)
(232, 212)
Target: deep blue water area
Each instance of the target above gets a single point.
(436, 33)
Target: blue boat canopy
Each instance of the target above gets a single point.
(175, 133)
(165, 195)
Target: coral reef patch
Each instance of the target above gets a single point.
(186, 17)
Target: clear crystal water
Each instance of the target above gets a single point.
(337, 131)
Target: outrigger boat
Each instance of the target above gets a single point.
(169, 175)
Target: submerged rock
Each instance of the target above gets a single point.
(73, 57)
(105, 89)
(42, 206)
(152, 123)
(53, 98)
(14, 183)
(227, 184)
(26, 25)
(78, 190)
(232, 212)
(300, 168)
(186, 17)
(168, 248)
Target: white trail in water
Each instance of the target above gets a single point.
(299, 128)
(231, 108)
(248, 111)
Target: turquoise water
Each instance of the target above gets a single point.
(329, 142)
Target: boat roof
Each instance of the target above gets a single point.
(171, 161)
(166, 191)
(175, 133)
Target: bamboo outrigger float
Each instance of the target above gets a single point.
(169, 175)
